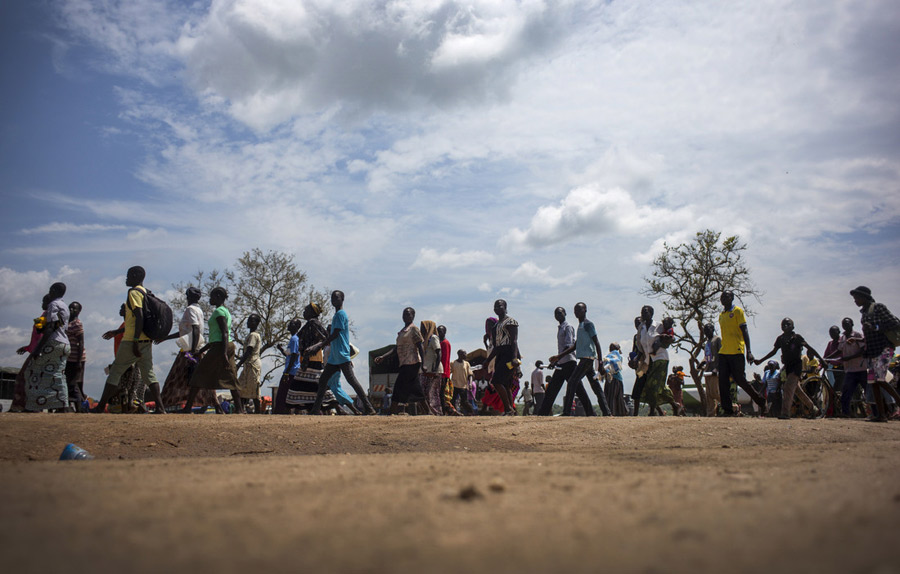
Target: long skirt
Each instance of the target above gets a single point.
(432, 384)
(177, 386)
(216, 369)
(45, 383)
(615, 397)
(448, 396)
(655, 391)
(249, 380)
(18, 403)
(492, 399)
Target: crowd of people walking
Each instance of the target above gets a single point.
(429, 381)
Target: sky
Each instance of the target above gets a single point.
(442, 154)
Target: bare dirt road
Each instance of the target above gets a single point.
(210, 493)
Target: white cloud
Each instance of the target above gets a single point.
(66, 227)
(145, 234)
(15, 335)
(509, 292)
(432, 259)
(529, 272)
(590, 211)
(28, 286)
(268, 62)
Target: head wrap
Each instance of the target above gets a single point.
(429, 328)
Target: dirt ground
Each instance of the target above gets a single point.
(214, 493)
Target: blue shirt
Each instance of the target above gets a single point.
(565, 338)
(340, 347)
(291, 367)
(584, 344)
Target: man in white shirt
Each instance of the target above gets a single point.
(528, 399)
(537, 385)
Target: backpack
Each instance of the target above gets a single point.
(157, 317)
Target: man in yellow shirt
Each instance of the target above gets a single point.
(735, 342)
(136, 347)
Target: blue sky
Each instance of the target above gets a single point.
(442, 154)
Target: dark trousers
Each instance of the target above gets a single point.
(560, 375)
(461, 398)
(733, 367)
(852, 379)
(346, 369)
(75, 382)
(584, 368)
(636, 393)
(538, 402)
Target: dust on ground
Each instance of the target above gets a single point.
(439, 494)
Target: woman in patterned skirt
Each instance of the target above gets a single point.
(176, 388)
(45, 385)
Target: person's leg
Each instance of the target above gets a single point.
(637, 393)
(839, 376)
(71, 374)
(574, 386)
(585, 399)
(327, 373)
(740, 378)
(503, 393)
(655, 380)
(877, 398)
(347, 370)
(400, 392)
(598, 390)
(787, 395)
(568, 397)
(189, 402)
(124, 360)
(334, 385)
(238, 402)
(848, 389)
(553, 387)
(279, 407)
(148, 377)
(726, 368)
(712, 395)
(459, 400)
